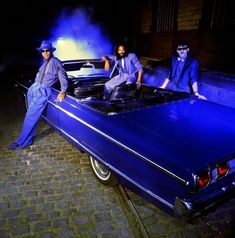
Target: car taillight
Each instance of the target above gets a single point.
(222, 169)
(203, 179)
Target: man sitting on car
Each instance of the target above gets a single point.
(183, 74)
(129, 67)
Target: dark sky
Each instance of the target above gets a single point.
(26, 23)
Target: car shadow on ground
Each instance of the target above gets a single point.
(43, 134)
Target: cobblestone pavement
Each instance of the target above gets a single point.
(219, 222)
(48, 190)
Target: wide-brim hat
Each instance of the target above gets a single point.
(46, 45)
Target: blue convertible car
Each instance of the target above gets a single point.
(172, 149)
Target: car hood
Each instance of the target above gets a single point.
(192, 133)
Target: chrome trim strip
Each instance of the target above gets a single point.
(120, 144)
(22, 85)
(118, 172)
(142, 188)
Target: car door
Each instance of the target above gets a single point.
(50, 114)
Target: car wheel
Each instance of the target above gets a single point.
(102, 173)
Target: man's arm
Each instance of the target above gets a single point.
(139, 67)
(165, 83)
(195, 91)
(139, 79)
(139, 76)
(63, 78)
(194, 78)
(107, 64)
(168, 76)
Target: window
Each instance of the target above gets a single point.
(165, 15)
(158, 16)
(218, 15)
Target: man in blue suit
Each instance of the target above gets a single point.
(129, 66)
(49, 73)
(183, 74)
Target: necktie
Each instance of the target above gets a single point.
(123, 63)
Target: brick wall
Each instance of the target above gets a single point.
(214, 49)
(189, 14)
(146, 17)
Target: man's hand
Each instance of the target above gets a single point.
(165, 83)
(104, 57)
(60, 96)
(138, 84)
(200, 96)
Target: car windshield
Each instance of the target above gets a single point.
(86, 68)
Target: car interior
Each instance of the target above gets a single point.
(86, 83)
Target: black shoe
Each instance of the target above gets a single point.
(21, 147)
(12, 146)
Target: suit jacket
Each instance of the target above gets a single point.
(132, 64)
(187, 77)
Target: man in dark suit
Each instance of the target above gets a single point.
(183, 74)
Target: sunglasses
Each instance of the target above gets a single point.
(45, 51)
(182, 48)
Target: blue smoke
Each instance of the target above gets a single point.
(76, 37)
(155, 76)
